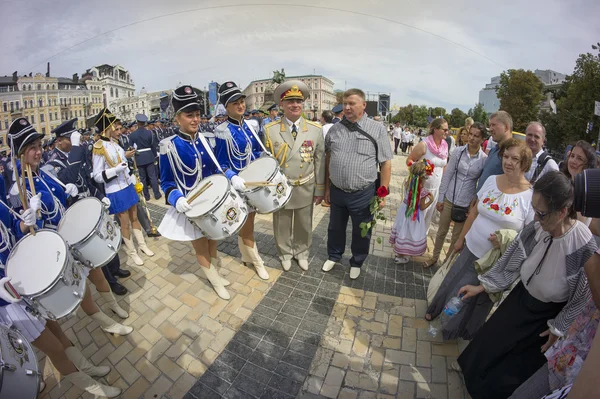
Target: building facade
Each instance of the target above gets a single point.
(491, 103)
(144, 103)
(47, 101)
(114, 81)
(259, 93)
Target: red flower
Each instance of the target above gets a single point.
(382, 192)
(495, 207)
(507, 211)
(485, 201)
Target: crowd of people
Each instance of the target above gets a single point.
(517, 243)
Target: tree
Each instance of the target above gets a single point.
(437, 112)
(478, 114)
(576, 108)
(457, 118)
(405, 115)
(339, 97)
(420, 116)
(520, 93)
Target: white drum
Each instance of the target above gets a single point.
(46, 275)
(219, 212)
(270, 198)
(19, 371)
(91, 233)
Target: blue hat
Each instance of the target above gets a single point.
(254, 111)
(65, 129)
(141, 118)
(272, 107)
(337, 109)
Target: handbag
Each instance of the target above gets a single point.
(353, 127)
(438, 277)
(458, 214)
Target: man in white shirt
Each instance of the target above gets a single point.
(542, 162)
(326, 121)
(397, 135)
(404, 138)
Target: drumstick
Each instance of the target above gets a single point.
(200, 191)
(32, 186)
(22, 189)
(14, 162)
(11, 290)
(259, 184)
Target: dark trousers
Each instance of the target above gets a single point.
(148, 173)
(110, 268)
(403, 147)
(355, 206)
(396, 142)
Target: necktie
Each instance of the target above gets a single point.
(294, 131)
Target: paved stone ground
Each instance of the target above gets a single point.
(301, 334)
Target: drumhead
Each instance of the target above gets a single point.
(36, 261)
(261, 169)
(80, 219)
(211, 197)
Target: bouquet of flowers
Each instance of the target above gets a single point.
(376, 211)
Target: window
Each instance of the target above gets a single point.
(17, 105)
(41, 117)
(55, 101)
(69, 100)
(315, 96)
(6, 123)
(53, 87)
(30, 103)
(39, 86)
(112, 93)
(117, 93)
(25, 104)
(41, 102)
(32, 118)
(79, 112)
(12, 107)
(56, 115)
(5, 107)
(70, 114)
(43, 130)
(29, 87)
(50, 116)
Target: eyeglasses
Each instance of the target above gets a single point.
(541, 215)
(445, 130)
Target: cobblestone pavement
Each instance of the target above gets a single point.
(301, 334)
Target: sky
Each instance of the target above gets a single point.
(435, 53)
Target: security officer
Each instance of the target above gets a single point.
(338, 110)
(273, 111)
(299, 147)
(146, 150)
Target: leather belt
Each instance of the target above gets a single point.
(299, 182)
(353, 191)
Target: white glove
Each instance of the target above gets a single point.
(121, 167)
(132, 179)
(4, 293)
(238, 183)
(71, 190)
(182, 205)
(106, 202)
(35, 202)
(29, 217)
(75, 138)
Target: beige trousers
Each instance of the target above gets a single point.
(443, 227)
(293, 232)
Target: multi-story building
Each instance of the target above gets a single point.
(114, 81)
(260, 93)
(144, 103)
(490, 101)
(47, 101)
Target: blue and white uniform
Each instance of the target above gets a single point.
(236, 146)
(184, 161)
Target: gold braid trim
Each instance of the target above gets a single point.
(101, 151)
(269, 145)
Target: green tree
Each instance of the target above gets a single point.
(457, 118)
(576, 108)
(437, 112)
(420, 114)
(520, 93)
(478, 114)
(405, 115)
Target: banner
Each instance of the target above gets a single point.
(213, 87)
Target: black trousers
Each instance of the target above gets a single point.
(355, 206)
(396, 142)
(110, 268)
(148, 174)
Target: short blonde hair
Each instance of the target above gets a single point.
(355, 92)
(504, 118)
(469, 121)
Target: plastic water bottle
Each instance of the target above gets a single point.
(453, 306)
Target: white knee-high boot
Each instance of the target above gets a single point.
(109, 325)
(139, 237)
(83, 381)
(215, 280)
(217, 263)
(132, 252)
(84, 365)
(251, 255)
(110, 299)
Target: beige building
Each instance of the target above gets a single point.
(46, 101)
(113, 80)
(144, 103)
(260, 92)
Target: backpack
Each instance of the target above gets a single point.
(542, 161)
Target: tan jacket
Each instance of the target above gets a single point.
(302, 160)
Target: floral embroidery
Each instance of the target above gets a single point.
(507, 211)
(495, 207)
(493, 203)
(485, 201)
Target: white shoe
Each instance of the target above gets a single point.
(83, 381)
(109, 325)
(139, 236)
(328, 265)
(354, 273)
(251, 255)
(132, 252)
(213, 277)
(303, 263)
(261, 271)
(217, 263)
(42, 386)
(84, 365)
(114, 306)
(400, 260)
(286, 264)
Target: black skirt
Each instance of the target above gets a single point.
(506, 351)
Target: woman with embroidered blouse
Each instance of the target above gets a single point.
(185, 159)
(548, 257)
(504, 202)
(236, 145)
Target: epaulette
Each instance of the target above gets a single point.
(98, 148)
(274, 123)
(315, 124)
(222, 131)
(163, 146)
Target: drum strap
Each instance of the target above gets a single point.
(258, 139)
(208, 149)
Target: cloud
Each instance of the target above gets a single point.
(435, 53)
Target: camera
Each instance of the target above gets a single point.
(587, 193)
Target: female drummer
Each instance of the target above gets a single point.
(49, 201)
(46, 335)
(237, 146)
(110, 168)
(185, 159)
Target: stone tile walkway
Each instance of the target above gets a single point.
(301, 334)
